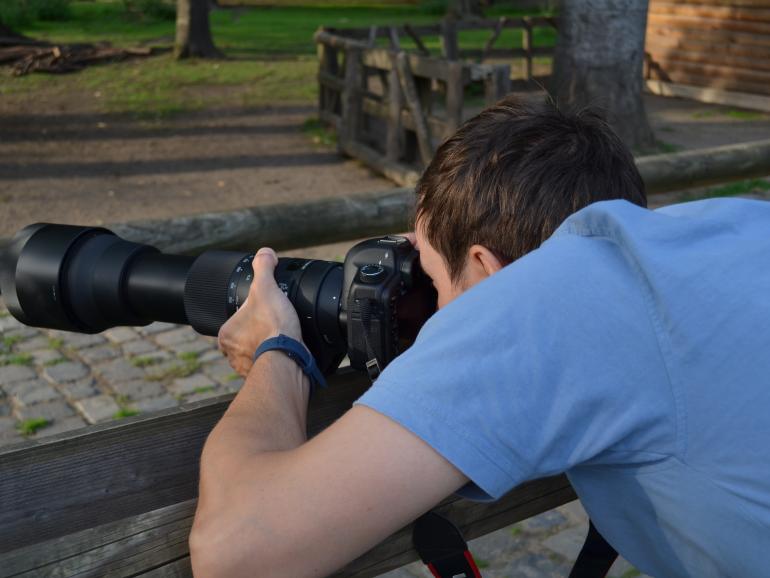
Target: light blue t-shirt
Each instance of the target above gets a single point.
(632, 350)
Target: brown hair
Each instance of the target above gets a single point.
(510, 175)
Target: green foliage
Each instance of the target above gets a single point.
(187, 365)
(433, 7)
(151, 9)
(19, 13)
(125, 412)
(30, 426)
(16, 359)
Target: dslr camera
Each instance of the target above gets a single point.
(87, 279)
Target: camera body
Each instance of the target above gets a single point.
(386, 299)
(87, 279)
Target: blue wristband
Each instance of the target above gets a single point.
(297, 352)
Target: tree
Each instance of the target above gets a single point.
(193, 31)
(598, 62)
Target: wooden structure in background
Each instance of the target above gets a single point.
(711, 50)
(391, 107)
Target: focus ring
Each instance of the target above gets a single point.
(206, 290)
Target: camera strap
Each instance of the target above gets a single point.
(443, 550)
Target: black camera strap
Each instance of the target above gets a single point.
(443, 550)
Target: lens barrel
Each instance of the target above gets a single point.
(87, 279)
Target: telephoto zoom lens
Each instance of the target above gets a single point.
(87, 279)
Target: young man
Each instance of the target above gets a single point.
(630, 351)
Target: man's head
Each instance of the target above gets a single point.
(505, 181)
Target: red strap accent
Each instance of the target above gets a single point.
(472, 564)
(433, 570)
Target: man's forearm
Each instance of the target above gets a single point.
(267, 417)
(268, 414)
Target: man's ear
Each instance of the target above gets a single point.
(480, 264)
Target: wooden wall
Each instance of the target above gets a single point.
(718, 44)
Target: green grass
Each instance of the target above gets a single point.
(735, 189)
(481, 563)
(318, 132)
(270, 48)
(515, 531)
(746, 115)
(204, 389)
(55, 342)
(667, 148)
(30, 426)
(631, 573)
(125, 412)
(144, 361)
(187, 365)
(232, 376)
(16, 359)
(56, 361)
(11, 340)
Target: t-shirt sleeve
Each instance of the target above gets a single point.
(550, 363)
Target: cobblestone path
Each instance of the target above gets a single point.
(54, 381)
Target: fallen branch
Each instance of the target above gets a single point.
(32, 56)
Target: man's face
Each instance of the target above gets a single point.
(433, 264)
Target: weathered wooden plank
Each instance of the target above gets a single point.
(86, 478)
(455, 94)
(674, 21)
(449, 46)
(435, 124)
(497, 84)
(711, 58)
(679, 73)
(710, 95)
(394, 144)
(699, 168)
(350, 124)
(754, 13)
(397, 172)
(409, 90)
(493, 38)
(423, 66)
(154, 544)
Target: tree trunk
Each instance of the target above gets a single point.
(465, 9)
(598, 62)
(193, 32)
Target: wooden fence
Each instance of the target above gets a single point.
(391, 107)
(711, 50)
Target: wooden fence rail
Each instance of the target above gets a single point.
(296, 225)
(118, 499)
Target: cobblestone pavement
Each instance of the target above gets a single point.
(54, 381)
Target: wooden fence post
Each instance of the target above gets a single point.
(455, 87)
(497, 84)
(409, 89)
(351, 97)
(526, 44)
(327, 65)
(449, 47)
(395, 135)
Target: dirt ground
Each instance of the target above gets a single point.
(62, 162)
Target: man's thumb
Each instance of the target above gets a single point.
(264, 263)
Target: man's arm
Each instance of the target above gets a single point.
(272, 504)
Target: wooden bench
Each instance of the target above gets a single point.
(118, 499)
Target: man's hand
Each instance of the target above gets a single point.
(266, 313)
